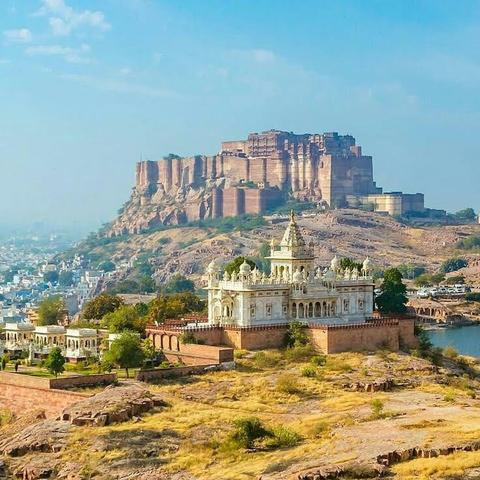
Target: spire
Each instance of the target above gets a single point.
(292, 236)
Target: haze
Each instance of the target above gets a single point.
(88, 88)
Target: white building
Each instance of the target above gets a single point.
(81, 343)
(46, 337)
(18, 336)
(295, 289)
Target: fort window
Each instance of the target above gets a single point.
(268, 310)
(253, 311)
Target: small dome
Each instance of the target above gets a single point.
(245, 268)
(297, 276)
(366, 265)
(334, 264)
(212, 267)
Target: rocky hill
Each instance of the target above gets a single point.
(352, 233)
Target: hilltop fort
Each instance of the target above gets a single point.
(255, 175)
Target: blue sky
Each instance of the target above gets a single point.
(87, 87)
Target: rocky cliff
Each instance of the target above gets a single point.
(246, 176)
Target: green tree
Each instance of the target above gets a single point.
(467, 214)
(65, 278)
(107, 266)
(149, 351)
(295, 335)
(234, 265)
(393, 298)
(99, 306)
(176, 284)
(146, 284)
(453, 264)
(125, 352)
(125, 317)
(469, 243)
(349, 263)
(165, 307)
(126, 286)
(410, 270)
(55, 362)
(50, 276)
(50, 310)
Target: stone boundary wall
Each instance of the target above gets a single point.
(375, 333)
(21, 395)
(83, 381)
(160, 373)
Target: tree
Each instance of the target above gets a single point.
(165, 307)
(126, 317)
(295, 335)
(65, 279)
(410, 270)
(146, 284)
(107, 266)
(453, 264)
(50, 276)
(467, 214)
(176, 284)
(126, 352)
(149, 351)
(99, 306)
(234, 265)
(469, 243)
(50, 310)
(55, 362)
(393, 298)
(349, 263)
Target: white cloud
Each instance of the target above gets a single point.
(63, 19)
(115, 86)
(71, 55)
(263, 56)
(21, 35)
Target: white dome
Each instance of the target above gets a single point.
(245, 268)
(212, 267)
(366, 265)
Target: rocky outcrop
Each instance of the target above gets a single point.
(113, 405)
(379, 385)
(46, 436)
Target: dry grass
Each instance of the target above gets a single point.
(454, 465)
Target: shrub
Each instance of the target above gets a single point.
(288, 383)
(283, 437)
(469, 243)
(377, 407)
(266, 359)
(450, 352)
(296, 335)
(338, 365)
(238, 354)
(299, 353)
(318, 360)
(319, 429)
(188, 337)
(453, 264)
(473, 297)
(248, 431)
(310, 371)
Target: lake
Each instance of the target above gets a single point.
(466, 340)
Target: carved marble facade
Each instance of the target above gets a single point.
(295, 289)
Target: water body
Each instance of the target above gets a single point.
(466, 340)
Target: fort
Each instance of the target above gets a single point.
(254, 175)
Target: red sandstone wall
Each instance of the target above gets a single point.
(255, 338)
(21, 393)
(362, 338)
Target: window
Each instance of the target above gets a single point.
(346, 306)
(285, 309)
(360, 304)
(268, 309)
(253, 311)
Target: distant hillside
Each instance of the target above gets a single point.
(352, 233)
